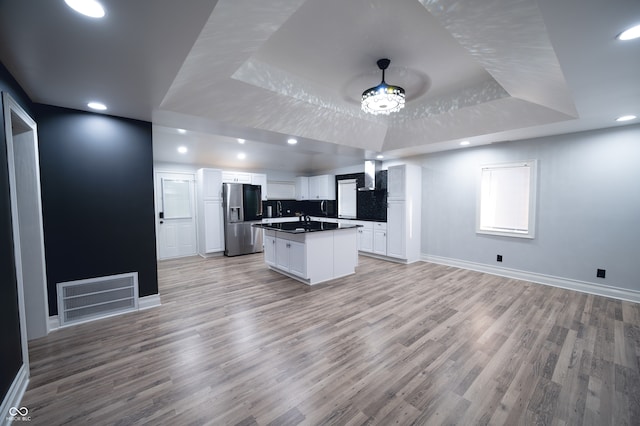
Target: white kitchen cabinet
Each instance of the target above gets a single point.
(209, 184)
(365, 238)
(372, 237)
(302, 188)
(396, 182)
(291, 257)
(322, 187)
(404, 183)
(312, 257)
(213, 227)
(396, 246)
(235, 177)
(209, 212)
(298, 259)
(380, 238)
(281, 190)
(269, 243)
(260, 179)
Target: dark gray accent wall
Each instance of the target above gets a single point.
(587, 211)
(97, 196)
(11, 353)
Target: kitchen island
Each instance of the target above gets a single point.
(310, 251)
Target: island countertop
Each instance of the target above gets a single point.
(298, 227)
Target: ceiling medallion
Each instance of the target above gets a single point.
(384, 98)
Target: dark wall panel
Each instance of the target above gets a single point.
(97, 193)
(11, 353)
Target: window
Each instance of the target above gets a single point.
(506, 202)
(347, 198)
(176, 196)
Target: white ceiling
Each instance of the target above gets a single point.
(481, 70)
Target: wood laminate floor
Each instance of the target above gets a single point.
(235, 343)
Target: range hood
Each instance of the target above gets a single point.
(371, 168)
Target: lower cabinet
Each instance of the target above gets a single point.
(312, 257)
(210, 228)
(365, 239)
(380, 239)
(396, 243)
(372, 237)
(290, 257)
(269, 243)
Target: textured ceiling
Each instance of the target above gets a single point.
(483, 70)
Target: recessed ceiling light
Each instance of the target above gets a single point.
(241, 156)
(182, 149)
(465, 143)
(183, 131)
(292, 141)
(626, 118)
(90, 8)
(379, 156)
(241, 141)
(630, 34)
(97, 105)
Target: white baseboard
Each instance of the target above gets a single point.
(388, 258)
(209, 255)
(13, 398)
(148, 302)
(567, 283)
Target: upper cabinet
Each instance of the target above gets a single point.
(260, 179)
(244, 177)
(396, 182)
(302, 188)
(209, 184)
(235, 177)
(322, 187)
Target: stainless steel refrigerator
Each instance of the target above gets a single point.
(242, 205)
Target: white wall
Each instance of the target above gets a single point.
(588, 211)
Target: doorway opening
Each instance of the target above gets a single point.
(26, 212)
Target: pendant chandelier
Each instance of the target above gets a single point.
(384, 98)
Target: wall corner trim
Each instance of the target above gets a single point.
(148, 302)
(566, 283)
(13, 398)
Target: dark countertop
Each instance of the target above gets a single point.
(299, 227)
(362, 220)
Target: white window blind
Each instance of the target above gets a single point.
(176, 199)
(507, 198)
(347, 198)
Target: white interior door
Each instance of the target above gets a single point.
(175, 215)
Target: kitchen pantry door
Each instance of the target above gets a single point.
(175, 215)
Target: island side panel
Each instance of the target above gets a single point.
(319, 256)
(345, 252)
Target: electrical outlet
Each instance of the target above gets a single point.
(600, 273)
(499, 258)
